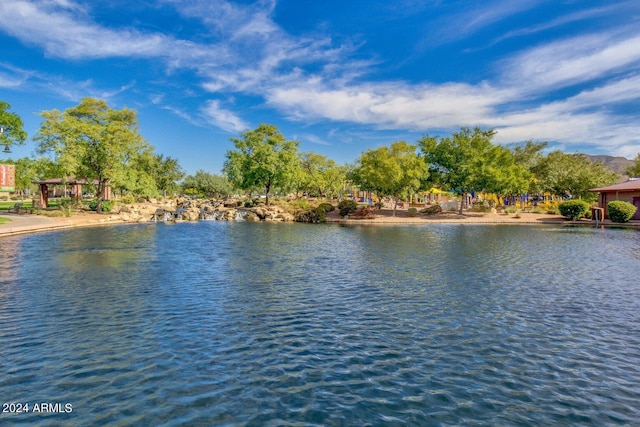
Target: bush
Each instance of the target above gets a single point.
(106, 205)
(328, 207)
(347, 207)
(301, 204)
(510, 210)
(313, 216)
(127, 199)
(538, 210)
(480, 207)
(620, 211)
(574, 209)
(363, 213)
(412, 212)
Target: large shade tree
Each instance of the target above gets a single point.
(11, 127)
(205, 184)
(572, 175)
(263, 158)
(464, 162)
(320, 176)
(392, 171)
(92, 141)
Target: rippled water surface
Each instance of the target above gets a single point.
(226, 324)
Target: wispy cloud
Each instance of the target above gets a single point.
(223, 118)
(572, 61)
(392, 105)
(65, 33)
(468, 18)
(242, 51)
(580, 16)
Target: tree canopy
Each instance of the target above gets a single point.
(92, 141)
(263, 158)
(12, 127)
(320, 176)
(634, 170)
(464, 162)
(572, 175)
(204, 184)
(392, 171)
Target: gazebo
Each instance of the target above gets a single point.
(76, 189)
(628, 191)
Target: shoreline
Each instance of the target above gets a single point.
(29, 223)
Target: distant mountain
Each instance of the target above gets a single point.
(616, 164)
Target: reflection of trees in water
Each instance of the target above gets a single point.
(9, 258)
(113, 248)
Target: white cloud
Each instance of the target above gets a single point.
(223, 118)
(58, 30)
(572, 61)
(391, 105)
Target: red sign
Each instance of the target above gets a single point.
(8, 178)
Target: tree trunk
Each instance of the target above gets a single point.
(266, 192)
(395, 205)
(462, 201)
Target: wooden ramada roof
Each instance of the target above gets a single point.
(632, 184)
(61, 181)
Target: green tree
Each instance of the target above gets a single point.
(204, 184)
(263, 158)
(92, 141)
(464, 162)
(166, 172)
(29, 170)
(320, 175)
(530, 156)
(635, 169)
(393, 171)
(136, 175)
(572, 175)
(11, 126)
(500, 174)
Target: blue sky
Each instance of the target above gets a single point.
(338, 76)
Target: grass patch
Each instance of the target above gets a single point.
(4, 220)
(4, 206)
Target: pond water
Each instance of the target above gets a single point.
(229, 324)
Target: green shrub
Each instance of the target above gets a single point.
(574, 209)
(538, 210)
(510, 210)
(301, 204)
(347, 207)
(313, 216)
(620, 211)
(480, 207)
(106, 205)
(127, 199)
(328, 207)
(412, 212)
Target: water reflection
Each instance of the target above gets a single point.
(256, 324)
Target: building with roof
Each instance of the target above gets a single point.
(628, 191)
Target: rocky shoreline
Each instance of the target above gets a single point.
(185, 210)
(197, 210)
